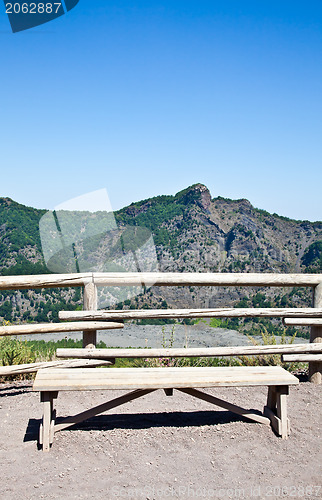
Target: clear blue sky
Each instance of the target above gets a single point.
(148, 97)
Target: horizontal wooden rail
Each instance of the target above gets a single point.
(231, 312)
(90, 281)
(34, 367)
(206, 279)
(159, 279)
(44, 281)
(302, 321)
(301, 358)
(188, 352)
(57, 327)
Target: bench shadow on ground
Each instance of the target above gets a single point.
(15, 390)
(144, 421)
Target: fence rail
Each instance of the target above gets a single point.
(90, 281)
(159, 279)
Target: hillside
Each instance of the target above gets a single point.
(191, 232)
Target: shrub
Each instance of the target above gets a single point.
(15, 352)
(268, 359)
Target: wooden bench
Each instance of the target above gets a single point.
(189, 380)
(185, 379)
(141, 381)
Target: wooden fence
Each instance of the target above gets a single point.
(93, 321)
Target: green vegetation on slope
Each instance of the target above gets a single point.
(312, 258)
(19, 226)
(192, 233)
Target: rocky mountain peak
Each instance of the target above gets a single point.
(196, 194)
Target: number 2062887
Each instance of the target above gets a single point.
(33, 8)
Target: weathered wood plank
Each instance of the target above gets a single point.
(228, 406)
(206, 279)
(80, 417)
(34, 328)
(159, 279)
(187, 352)
(160, 378)
(44, 281)
(271, 398)
(71, 363)
(302, 321)
(222, 312)
(275, 421)
(302, 358)
(52, 426)
(281, 410)
(46, 427)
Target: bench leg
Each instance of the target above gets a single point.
(276, 409)
(271, 397)
(46, 434)
(281, 410)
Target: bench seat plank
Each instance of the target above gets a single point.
(160, 378)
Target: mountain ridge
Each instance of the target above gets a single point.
(192, 232)
(179, 223)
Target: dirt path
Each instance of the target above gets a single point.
(160, 447)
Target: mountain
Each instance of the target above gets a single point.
(20, 248)
(194, 232)
(191, 232)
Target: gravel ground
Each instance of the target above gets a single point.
(200, 335)
(160, 447)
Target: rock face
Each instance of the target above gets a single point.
(195, 233)
(192, 232)
(204, 234)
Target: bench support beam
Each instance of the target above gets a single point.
(228, 406)
(80, 417)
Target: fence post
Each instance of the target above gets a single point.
(90, 303)
(315, 367)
